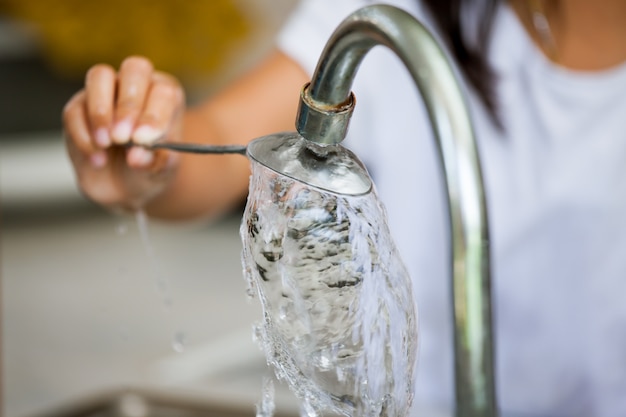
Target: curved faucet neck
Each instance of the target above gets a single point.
(325, 108)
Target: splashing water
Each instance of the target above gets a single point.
(179, 342)
(266, 407)
(338, 316)
(179, 338)
(121, 228)
(161, 282)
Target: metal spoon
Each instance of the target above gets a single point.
(194, 147)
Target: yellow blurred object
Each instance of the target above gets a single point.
(189, 38)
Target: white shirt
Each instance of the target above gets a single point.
(556, 192)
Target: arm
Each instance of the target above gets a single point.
(143, 105)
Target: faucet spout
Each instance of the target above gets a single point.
(324, 113)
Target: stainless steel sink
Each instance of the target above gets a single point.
(151, 403)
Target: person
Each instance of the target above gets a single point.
(545, 81)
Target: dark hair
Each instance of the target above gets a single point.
(470, 56)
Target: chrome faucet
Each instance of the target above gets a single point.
(314, 157)
(325, 108)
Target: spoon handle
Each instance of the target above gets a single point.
(197, 148)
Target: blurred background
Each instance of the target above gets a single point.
(94, 304)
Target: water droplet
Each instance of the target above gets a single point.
(250, 289)
(266, 407)
(257, 334)
(325, 362)
(179, 342)
(121, 229)
(307, 409)
(341, 374)
(283, 312)
(132, 405)
(160, 280)
(250, 293)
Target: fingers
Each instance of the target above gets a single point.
(165, 98)
(135, 103)
(78, 132)
(113, 108)
(100, 91)
(134, 80)
(138, 157)
(157, 120)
